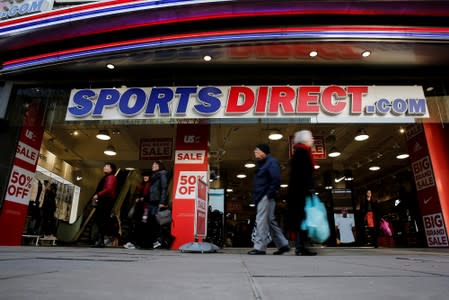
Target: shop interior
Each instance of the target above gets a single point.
(376, 160)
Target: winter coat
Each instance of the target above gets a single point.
(267, 179)
(300, 184)
(158, 189)
(107, 188)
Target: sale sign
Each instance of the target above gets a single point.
(19, 185)
(428, 197)
(15, 206)
(422, 170)
(188, 183)
(201, 209)
(156, 148)
(435, 230)
(191, 168)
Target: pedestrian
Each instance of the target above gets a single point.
(156, 200)
(136, 237)
(370, 217)
(103, 200)
(265, 187)
(301, 185)
(48, 211)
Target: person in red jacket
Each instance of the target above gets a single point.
(104, 199)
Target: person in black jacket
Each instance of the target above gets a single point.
(156, 200)
(300, 186)
(266, 185)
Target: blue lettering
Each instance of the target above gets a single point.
(83, 103)
(383, 106)
(209, 101)
(399, 106)
(417, 106)
(159, 97)
(137, 103)
(185, 93)
(107, 97)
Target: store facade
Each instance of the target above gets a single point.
(200, 100)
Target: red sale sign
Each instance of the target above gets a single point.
(188, 183)
(191, 167)
(15, 206)
(201, 210)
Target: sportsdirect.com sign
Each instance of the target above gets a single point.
(319, 103)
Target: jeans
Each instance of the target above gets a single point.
(266, 227)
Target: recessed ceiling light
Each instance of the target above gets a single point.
(207, 58)
(402, 156)
(366, 53)
(130, 169)
(316, 167)
(361, 135)
(429, 89)
(110, 66)
(275, 135)
(229, 190)
(374, 168)
(103, 135)
(241, 176)
(284, 185)
(313, 53)
(250, 164)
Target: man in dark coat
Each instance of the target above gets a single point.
(266, 185)
(300, 186)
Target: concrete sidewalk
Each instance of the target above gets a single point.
(116, 273)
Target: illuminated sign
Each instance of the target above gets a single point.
(321, 104)
(17, 8)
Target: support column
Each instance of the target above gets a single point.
(191, 164)
(437, 136)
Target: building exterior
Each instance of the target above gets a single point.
(199, 83)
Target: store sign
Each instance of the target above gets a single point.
(318, 147)
(190, 156)
(422, 170)
(156, 148)
(322, 104)
(188, 183)
(17, 8)
(435, 230)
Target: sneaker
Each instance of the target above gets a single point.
(129, 246)
(156, 244)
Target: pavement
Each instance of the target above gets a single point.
(30, 272)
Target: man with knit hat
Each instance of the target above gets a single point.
(266, 185)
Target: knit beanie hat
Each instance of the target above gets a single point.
(264, 148)
(302, 137)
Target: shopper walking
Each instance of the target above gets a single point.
(370, 217)
(136, 233)
(48, 211)
(156, 200)
(266, 185)
(301, 185)
(103, 200)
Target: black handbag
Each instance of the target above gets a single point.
(163, 217)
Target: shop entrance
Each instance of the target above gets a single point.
(75, 154)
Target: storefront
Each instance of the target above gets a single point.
(201, 100)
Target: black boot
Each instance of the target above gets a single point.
(301, 242)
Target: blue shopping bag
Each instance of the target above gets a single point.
(316, 223)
